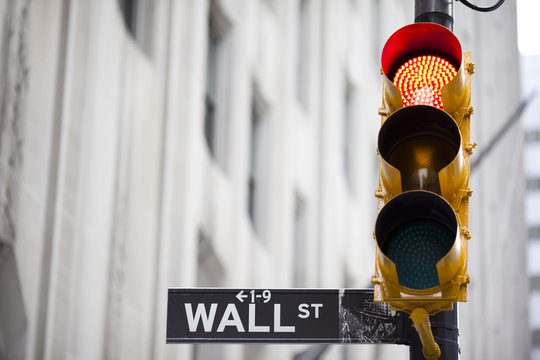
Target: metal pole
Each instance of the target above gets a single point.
(435, 11)
(445, 331)
(444, 325)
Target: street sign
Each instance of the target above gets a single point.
(282, 315)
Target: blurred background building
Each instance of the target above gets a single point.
(529, 49)
(148, 144)
(531, 121)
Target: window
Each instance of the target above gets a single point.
(211, 90)
(210, 271)
(13, 327)
(300, 245)
(533, 184)
(534, 232)
(536, 338)
(532, 136)
(302, 52)
(535, 283)
(138, 18)
(348, 131)
(256, 161)
(129, 11)
(533, 265)
(216, 62)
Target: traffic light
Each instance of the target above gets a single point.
(423, 195)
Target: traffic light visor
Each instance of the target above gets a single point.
(415, 230)
(419, 141)
(420, 39)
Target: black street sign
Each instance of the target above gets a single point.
(282, 315)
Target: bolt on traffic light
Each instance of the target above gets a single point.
(424, 147)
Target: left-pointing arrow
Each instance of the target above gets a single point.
(241, 296)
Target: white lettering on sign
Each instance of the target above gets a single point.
(200, 313)
(304, 312)
(277, 321)
(231, 317)
(241, 296)
(227, 321)
(252, 326)
(316, 307)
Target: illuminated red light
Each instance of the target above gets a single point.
(421, 79)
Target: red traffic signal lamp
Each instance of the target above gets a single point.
(424, 146)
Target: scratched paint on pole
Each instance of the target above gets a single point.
(280, 315)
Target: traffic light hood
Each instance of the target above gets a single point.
(420, 39)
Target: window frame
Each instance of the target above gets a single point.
(215, 123)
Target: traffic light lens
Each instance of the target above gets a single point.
(421, 79)
(419, 159)
(416, 247)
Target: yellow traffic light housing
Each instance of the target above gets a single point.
(424, 148)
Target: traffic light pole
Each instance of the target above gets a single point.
(435, 11)
(444, 324)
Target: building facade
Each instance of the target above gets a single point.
(531, 123)
(155, 144)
